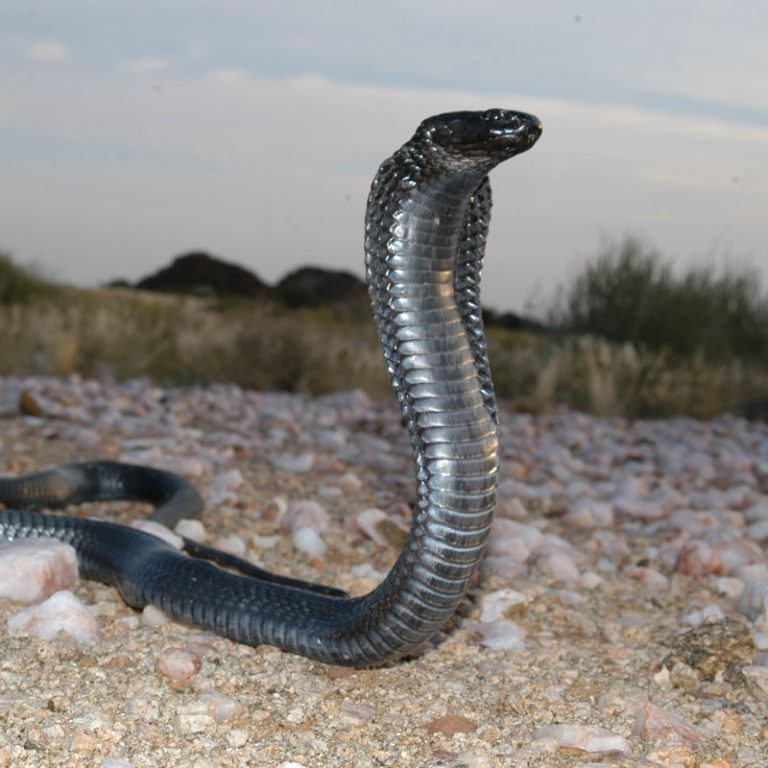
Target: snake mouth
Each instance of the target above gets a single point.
(511, 128)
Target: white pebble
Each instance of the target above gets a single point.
(307, 540)
(757, 681)
(62, 612)
(159, 530)
(515, 540)
(178, 664)
(754, 599)
(33, 569)
(191, 529)
(501, 635)
(223, 487)
(233, 544)
(305, 514)
(502, 604)
(224, 707)
(288, 463)
(728, 586)
(656, 724)
(153, 617)
(366, 522)
(115, 762)
(652, 579)
(697, 614)
(758, 531)
(584, 737)
(558, 566)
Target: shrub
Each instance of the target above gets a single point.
(19, 285)
(629, 293)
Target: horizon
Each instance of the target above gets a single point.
(137, 132)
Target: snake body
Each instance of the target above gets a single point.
(426, 225)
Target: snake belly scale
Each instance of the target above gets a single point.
(426, 225)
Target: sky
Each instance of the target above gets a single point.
(134, 131)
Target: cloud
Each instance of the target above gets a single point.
(47, 50)
(146, 65)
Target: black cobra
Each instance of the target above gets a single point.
(426, 225)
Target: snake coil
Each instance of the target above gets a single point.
(426, 225)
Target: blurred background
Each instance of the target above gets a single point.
(630, 241)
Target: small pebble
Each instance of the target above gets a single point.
(156, 529)
(33, 569)
(656, 724)
(584, 737)
(500, 635)
(178, 664)
(502, 604)
(62, 612)
(307, 540)
(152, 616)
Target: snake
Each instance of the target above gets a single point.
(426, 227)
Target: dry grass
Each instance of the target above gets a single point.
(183, 340)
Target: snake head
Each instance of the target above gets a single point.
(480, 139)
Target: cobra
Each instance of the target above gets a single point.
(426, 225)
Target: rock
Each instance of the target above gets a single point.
(656, 724)
(222, 488)
(156, 529)
(558, 566)
(357, 711)
(152, 616)
(757, 681)
(178, 664)
(29, 404)
(305, 514)
(200, 274)
(753, 602)
(500, 635)
(191, 529)
(306, 539)
(698, 559)
(586, 738)
(450, 724)
(221, 706)
(650, 577)
(714, 648)
(62, 612)
(502, 604)
(289, 463)
(34, 569)
(379, 527)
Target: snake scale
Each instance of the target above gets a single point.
(426, 226)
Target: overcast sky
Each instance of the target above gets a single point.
(132, 132)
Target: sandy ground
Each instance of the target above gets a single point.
(596, 653)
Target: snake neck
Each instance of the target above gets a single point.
(424, 243)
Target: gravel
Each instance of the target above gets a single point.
(619, 619)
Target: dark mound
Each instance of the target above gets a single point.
(314, 287)
(200, 274)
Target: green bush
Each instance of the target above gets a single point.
(630, 293)
(18, 285)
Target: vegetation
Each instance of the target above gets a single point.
(630, 293)
(617, 368)
(19, 285)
